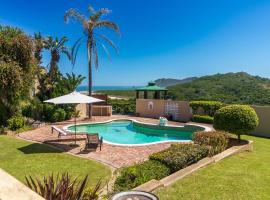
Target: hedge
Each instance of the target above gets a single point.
(131, 177)
(179, 156)
(236, 119)
(203, 119)
(209, 107)
(215, 141)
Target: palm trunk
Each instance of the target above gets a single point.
(90, 81)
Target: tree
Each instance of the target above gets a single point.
(17, 69)
(38, 45)
(90, 30)
(56, 47)
(236, 119)
(70, 82)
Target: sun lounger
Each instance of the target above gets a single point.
(93, 140)
(60, 131)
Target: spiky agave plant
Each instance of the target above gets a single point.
(63, 187)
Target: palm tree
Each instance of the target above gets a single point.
(56, 47)
(71, 81)
(90, 30)
(39, 45)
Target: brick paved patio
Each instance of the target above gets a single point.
(116, 156)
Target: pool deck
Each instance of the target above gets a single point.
(113, 155)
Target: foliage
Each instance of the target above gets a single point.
(203, 119)
(236, 177)
(236, 119)
(179, 156)
(93, 37)
(228, 88)
(11, 89)
(68, 83)
(26, 127)
(62, 188)
(215, 141)
(209, 107)
(16, 122)
(39, 45)
(58, 115)
(55, 113)
(125, 94)
(131, 177)
(121, 106)
(17, 67)
(56, 47)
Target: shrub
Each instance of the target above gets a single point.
(179, 156)
(209, 107)
(136, 175)
(48, 111)
(236, 119)
(34, 109)
(122, 106)
(16, 122)
(215, 141)
(63, 187)
(203, 119)
(59, 115)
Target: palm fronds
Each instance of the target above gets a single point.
(63, 188)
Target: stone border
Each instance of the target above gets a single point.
(12, 189)
(154, 184)
(133, 120)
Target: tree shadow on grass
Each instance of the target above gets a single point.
(38, 148)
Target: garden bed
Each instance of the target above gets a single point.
(166, 181)
(178, 160)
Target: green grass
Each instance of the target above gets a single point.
(20, 158)
(242, 176)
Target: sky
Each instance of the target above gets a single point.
(159, 39)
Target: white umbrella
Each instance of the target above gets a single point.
(73, 98)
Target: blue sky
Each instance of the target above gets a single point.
(171, 39)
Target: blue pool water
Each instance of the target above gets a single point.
(126, 132)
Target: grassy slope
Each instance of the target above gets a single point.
(228, 88)
(243, 176)
(20, 158)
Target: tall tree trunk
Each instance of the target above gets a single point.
(90, 81)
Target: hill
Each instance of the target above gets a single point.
(166, 82)
(229, 88)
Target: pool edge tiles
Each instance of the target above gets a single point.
(186, 128)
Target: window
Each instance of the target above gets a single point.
(150, 105)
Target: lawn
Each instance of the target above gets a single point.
(20, 158)
(243, 176)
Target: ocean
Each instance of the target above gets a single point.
(98, 88)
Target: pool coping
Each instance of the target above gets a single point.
(207, 129)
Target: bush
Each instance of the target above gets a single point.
(215, 141)
(136, 175)
(203, 119)
(16, 122)
(59, 187)
(121, 106)
(34, 109)
(179, 156)
(236, 119)
(209, 107)
(59, 115)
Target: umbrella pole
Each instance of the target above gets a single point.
(75, 125)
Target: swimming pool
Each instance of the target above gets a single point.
(130, 132)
